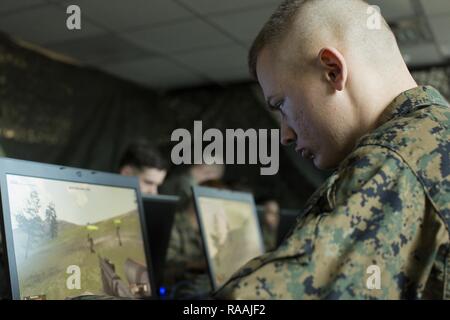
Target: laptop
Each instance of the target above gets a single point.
(159, 216)
(71, 232)
(230, 231)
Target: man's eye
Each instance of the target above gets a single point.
(276, 106)
(279, 105)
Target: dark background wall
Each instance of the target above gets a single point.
(65, 114)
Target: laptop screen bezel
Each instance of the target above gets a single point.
(66, 174)
(149, 201)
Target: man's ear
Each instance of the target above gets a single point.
(127, 170)
(334, 66)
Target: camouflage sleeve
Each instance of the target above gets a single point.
(371, 216)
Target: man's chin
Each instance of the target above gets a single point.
(320, 164)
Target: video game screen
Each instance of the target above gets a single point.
(73, 239)
(231, 233)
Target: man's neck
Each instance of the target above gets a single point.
(392, 92)
(375, 98)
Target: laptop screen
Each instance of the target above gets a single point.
(231, 235)
(74, 238)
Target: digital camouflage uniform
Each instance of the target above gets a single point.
(387, 204)
(185, 246)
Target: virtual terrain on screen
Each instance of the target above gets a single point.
(229, 225)
(64, 229)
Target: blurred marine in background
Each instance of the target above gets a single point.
(144, 161)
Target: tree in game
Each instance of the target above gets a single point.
(51, 220)
(30, 222)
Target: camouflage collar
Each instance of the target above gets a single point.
(412, 100)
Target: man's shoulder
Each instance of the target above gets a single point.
(420, 141)
(417, 134)
(415, 146)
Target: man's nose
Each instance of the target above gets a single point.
(288, 135)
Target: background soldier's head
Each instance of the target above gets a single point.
(145, 162)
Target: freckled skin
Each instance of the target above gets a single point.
(312, 117)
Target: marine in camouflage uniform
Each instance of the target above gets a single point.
(185, 247)
(387, 204)
(186, 268)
